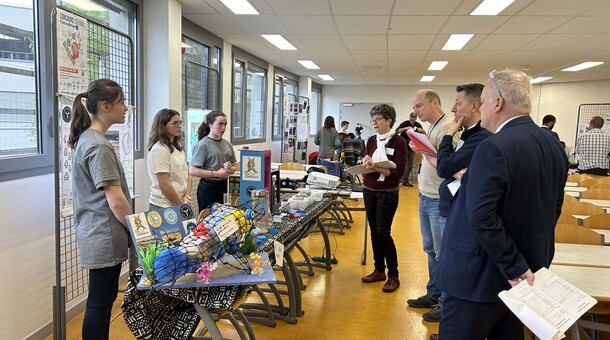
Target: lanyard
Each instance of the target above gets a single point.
(435, 124)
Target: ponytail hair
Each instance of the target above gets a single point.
(210, 118)
(101, 90)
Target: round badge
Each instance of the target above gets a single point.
(170, 216)
(154, 219)
(186, 211)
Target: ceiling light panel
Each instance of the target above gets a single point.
(583, 66)
(427, 78)
(540, 79)
(325, 77)
(240, 6)
(437, 65)
(308, 64)
(491, 7)
(279, 41)
(457, 42)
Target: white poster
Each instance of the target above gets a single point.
(194, 118)
(65, 169)
(121, 138)
(71, 53)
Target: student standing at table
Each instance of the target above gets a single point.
(381, 193)
(101, 200)
(328, 139)
(487, 246)
(212, 160)
(166, 161)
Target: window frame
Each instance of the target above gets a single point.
(277, 118)
(22, 166)
(247, 59)
(315, 87)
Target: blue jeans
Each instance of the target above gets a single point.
(380, 208)
(431, 237)
(209, 192)
(103, 290)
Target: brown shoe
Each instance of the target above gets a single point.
(373, 277)
(391, 284)
(433, 336)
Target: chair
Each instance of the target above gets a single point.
(599, 221)
(581, 208)
(292, 166)
(567, 219)
(575, 234)
(600, 194)
(579, 177)
(587, 183)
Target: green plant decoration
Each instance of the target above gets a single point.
(148, 254)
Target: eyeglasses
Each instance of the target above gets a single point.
(491, 76)
(376, 120)
(175, 122)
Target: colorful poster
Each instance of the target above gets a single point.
(121, 138)
(72, 34)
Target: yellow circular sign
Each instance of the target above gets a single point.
(154, 219)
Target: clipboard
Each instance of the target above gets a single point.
(421, 142)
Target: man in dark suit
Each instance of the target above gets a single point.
(500, 226)
(548, 123)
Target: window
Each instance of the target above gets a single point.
(20, 134)
(248, 109)
(283, 86)
(315, 109)
(201, 76)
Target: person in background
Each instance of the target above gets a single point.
(427, 107)
(167, 167)
(327, 138)
(410, 123)
(350, 149)
(548, 122)
(487, 247)
(593, 148)
(381, 193)
(212, 160)
(451, 163)
(101, 200)
(344, 126)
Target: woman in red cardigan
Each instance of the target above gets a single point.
(381, 192)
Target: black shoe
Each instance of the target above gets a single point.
(423, 301)
(433, 315)
(407, 184)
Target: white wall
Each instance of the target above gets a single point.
(27, 259)
(561, 100)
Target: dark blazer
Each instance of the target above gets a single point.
(553, 133)
(502, 220)
(448, 161)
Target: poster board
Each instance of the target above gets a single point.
(72, 79)
(194, 118)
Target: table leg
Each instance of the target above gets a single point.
(209, 322)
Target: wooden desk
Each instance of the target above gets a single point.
(591, 280)
(600, 203)
(606, 234)
(582, 255)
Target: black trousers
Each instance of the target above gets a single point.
(594, 171)
(477, 321)
(209, 192)
(380, 208)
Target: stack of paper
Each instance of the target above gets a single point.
(549, 307)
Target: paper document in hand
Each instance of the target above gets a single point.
(360, 169)
(549, 307)
(421, 142)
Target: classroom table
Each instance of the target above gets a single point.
(600, 203)
(591, 280)
(606, 234)
(582, 255)
(575, 191)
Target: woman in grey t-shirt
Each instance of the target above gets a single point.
(213, 159)
(101, 200)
